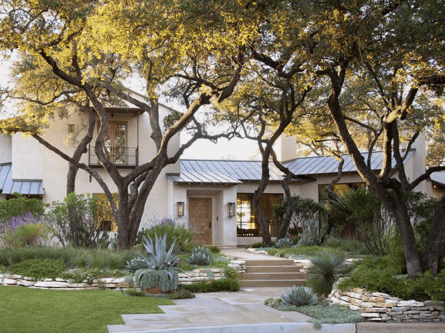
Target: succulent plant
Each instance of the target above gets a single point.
(200, 256)
(284, 242)
(299, 296)
(308, 241)
(157, 268)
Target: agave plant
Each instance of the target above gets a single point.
(157, 268)
(283, 243)
(200, 256)
(299, 296)
(327, 267)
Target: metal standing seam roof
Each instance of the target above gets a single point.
(10, 186)
(438, 177)
(234, 172)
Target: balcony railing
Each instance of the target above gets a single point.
(122, 157)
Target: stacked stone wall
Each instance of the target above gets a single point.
(196, 275)
(381, 307)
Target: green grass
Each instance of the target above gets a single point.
(24, 310)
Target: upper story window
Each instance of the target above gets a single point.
(116, 146)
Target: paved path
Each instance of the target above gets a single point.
(243, 311)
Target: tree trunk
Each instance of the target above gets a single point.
(406, 234)
(290, 207)
(435, 243)
(123, 222)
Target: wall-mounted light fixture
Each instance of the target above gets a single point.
(180, 208)
(231, 209)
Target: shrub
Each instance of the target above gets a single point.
(283, 243)
(24, 230)
(299, 296)
(327, 267)
(256, 245)
(214, 249)
(157, 268)
(75, 222)
(72, 257)
(88, 275)
(200, 256)
(212, 286)
(348, 245)
(179, 233)
(19, 206)
(38, 269)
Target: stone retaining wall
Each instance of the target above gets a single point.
(385, 308)
(201, 274)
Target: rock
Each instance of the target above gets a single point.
(60, 280)
(370, 315)
(382, 295)
(374, 310)
(8, 282)
(410, 303)
(356, 301)
(353, 295)
(345, 298)
(77, 285)
(373, 299)
(44, 284)
(367, 305)
(375, 319)
(48, 280)
(25, 283)
(358, 291)
(354, 307)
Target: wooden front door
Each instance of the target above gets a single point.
(201, 220)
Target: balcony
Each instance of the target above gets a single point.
(122, 157)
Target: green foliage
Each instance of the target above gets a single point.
(72, 257)
(299, 296)
(88, 275)
(20, 205)
(212, 286)
(283, 243)
(33, 234)
(214, 249)
(181, 294)
(175, 232)
(305, 210)
(434, 286)
(256, 245)
(200, 256)
(351, 245)
(75, 222)
(39, 269)
(333, 314)
(230, 273)
(165, 279)
(134, 292)
(327, 267)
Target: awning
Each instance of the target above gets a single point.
(22, 186)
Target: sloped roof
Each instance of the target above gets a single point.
(438, 177)
(25, 187)
(233, 172)
(325, 164)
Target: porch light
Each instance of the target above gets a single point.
(180, 208)
(231, 209)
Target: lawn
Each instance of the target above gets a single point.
(24, 310)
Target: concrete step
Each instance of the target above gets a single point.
(273, 276)
(283, 269)
(271, 283)
(283, 262)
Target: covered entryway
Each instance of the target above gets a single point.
(200, 215)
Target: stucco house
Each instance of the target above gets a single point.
(214, 196)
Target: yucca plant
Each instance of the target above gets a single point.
(283, 243)
(200, 256)
(299, 296)
(157, 268)
(327, 267)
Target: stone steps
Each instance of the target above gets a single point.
(272, 273)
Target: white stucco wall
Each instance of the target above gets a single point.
(26, 158)
(5, 148)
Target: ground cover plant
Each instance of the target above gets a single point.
(86, 311)
(228, 284)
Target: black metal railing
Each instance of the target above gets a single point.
(125, 157)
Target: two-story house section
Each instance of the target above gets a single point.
(213, 196)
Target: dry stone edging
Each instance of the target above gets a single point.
(381, 307)
(200, 274)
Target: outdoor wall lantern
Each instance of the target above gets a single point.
(180, 208)
(231, 209)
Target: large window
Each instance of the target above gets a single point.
(247, 224)
(105, 218)
(116, 142)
